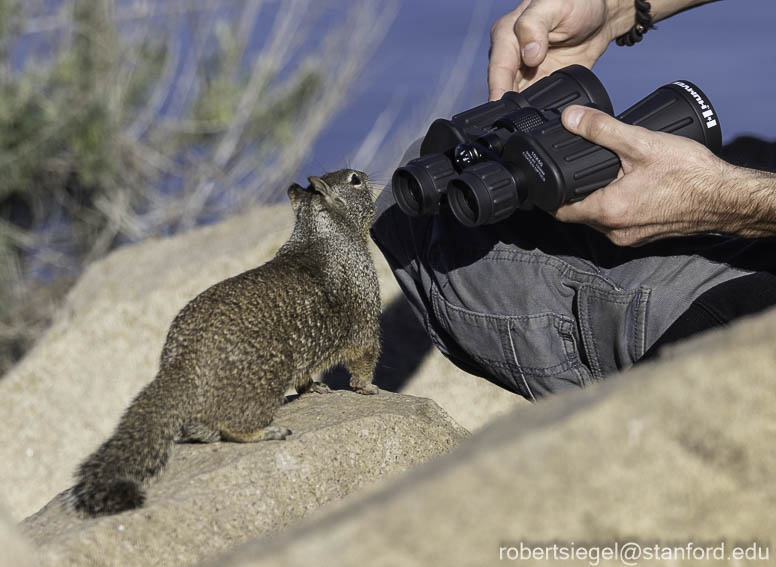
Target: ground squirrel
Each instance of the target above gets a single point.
(234, 350)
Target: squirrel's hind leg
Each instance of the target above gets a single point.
(269, 433)
(313, 386)
(362, 370)
(198, 432)
(252, 422)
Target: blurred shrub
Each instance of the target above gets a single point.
(121, 120)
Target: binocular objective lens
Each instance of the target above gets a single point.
(419, 187)
(414, 188)
(408, 192)
(464, 203)
(471, 201)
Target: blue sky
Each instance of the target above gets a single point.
(728, 48)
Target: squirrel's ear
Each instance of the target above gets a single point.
(297, 195)
(323, 188)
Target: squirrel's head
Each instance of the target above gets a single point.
(345, 194)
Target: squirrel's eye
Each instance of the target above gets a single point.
(355, 180)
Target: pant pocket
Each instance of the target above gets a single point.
(612, 324)
(532, 354)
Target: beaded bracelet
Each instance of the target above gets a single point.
(642, 25)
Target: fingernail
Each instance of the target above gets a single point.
(530, 50)
(573, 116)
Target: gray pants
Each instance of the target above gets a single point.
(535, 305)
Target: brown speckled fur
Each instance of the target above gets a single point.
(234, 350)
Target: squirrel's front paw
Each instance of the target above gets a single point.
(363, 387)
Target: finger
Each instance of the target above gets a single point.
(604, 207)
(504, 59)
(586, 212)
(604, 130)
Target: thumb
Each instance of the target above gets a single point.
(602, 129)
(532, 29)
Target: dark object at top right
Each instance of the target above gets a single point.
(514, 153)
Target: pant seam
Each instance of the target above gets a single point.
(517, 362)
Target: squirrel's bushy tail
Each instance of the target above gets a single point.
(109, 481)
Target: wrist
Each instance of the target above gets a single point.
(621, 14)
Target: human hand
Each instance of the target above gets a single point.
(667, 186)
(541, 36)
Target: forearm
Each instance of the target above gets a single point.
(622, 12)
(748, 202)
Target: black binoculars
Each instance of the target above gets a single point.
(514, 153)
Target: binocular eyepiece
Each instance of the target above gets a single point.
(514, 153)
